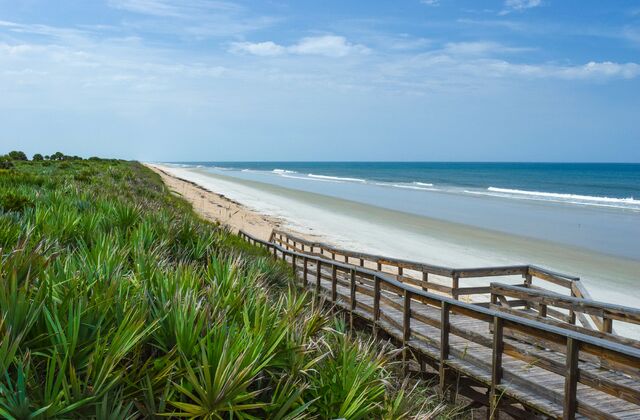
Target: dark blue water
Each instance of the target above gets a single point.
(621, 181)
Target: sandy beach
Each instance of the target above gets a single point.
(216, 207)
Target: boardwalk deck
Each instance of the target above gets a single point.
(509, 363)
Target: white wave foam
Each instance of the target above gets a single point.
(423, 184)
(337, 178)
(629, 200)
(306, 178)
(283, 171)
(414, 187)
(586, 200)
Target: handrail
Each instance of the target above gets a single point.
(528, 272)
(449, 271)
(607, 311)
(574, 341)
(619, 312)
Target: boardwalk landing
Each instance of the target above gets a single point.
(508, 362)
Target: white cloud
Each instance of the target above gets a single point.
(176, 9)
(325, 45)
(264, 49)
(604, 69)
(442, 68)
(192, 18)
(480, 48)
(430, 2)
(519, 5)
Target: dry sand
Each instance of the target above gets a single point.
(218, 208)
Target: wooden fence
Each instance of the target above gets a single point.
(471, 346)
(458, 282)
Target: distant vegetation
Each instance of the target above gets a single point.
(118, 302)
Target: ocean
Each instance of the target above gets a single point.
(589, 184)
(590, 206)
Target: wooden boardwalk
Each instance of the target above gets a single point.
(511, 360)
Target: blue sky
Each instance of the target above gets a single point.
(514, 80)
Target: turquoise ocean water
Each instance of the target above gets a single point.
(612, 185)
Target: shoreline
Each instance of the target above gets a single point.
(365, 228)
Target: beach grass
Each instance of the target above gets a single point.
(118, 302)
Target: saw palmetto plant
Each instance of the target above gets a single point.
(117, 302)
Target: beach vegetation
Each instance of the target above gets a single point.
(17, 155)
(117, 301)
(37, 157)
(6, 163)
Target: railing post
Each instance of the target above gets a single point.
(376, 304)
(572, 314)
(361, 262)
(400, 271)
(334, 283)
(444, 344)
(496, 367)
(571, 380)
(305, 271)
(543, 310)
(353, 290)
(353, 296)
(406, 330)
(318, 277)
(607, 325)
(379, 266)
(293, 264)
(455, 285)
(425, 279)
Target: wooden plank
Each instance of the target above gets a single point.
(463, 291)
(491, 271)
(550, 277)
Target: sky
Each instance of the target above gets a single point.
(406, 80)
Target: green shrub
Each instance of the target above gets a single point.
(14, 202)
(17, 155)
(118, 302)
(5, 163)
(37, 157)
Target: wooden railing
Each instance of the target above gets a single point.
(403, 312)
(452, 282)
(546, 305)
